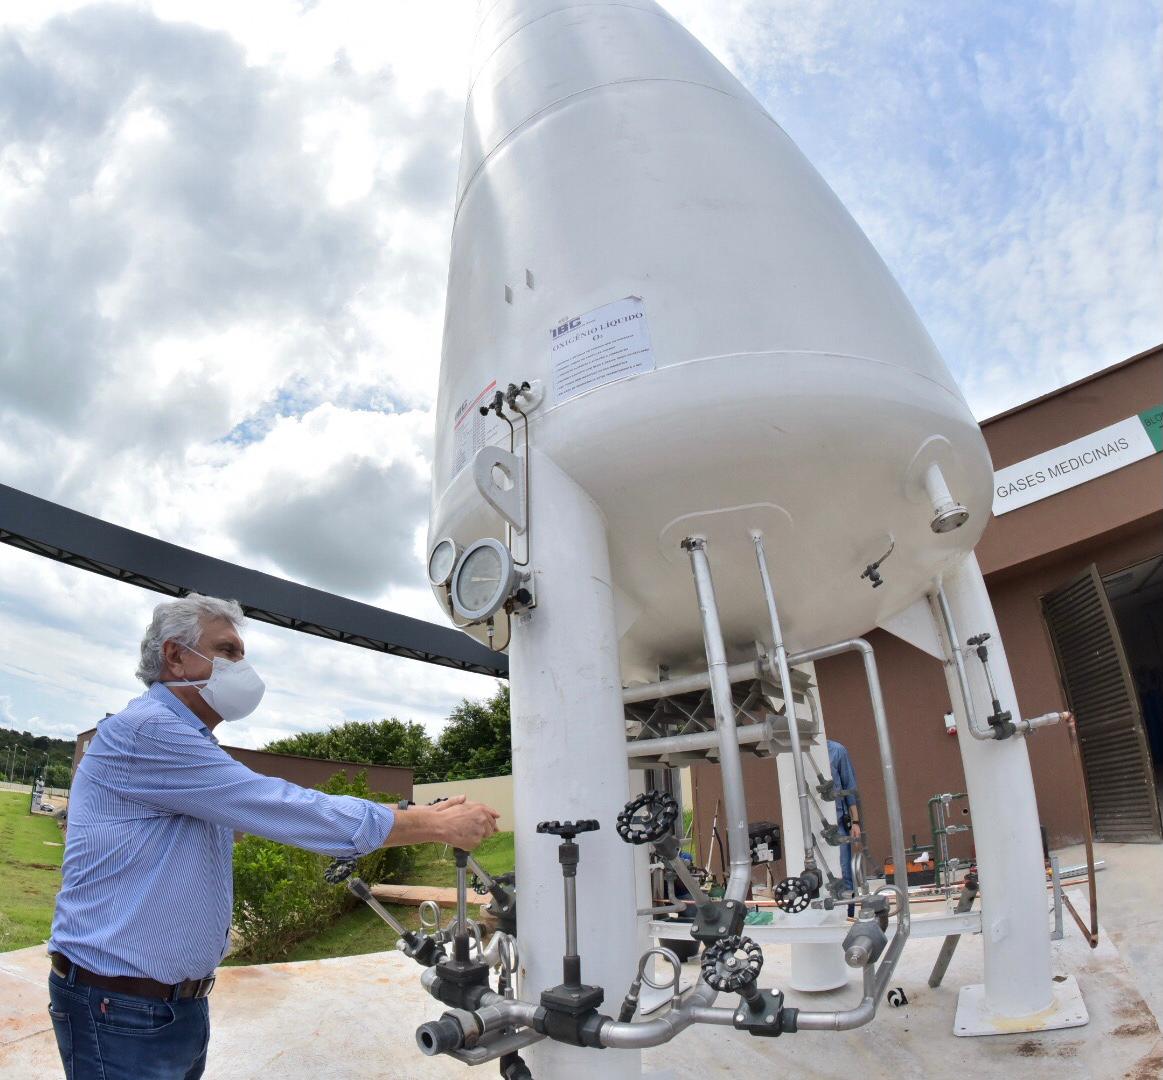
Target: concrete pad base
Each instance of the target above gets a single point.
(975, 1017)
(355, 1018)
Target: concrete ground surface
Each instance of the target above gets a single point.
(355, 1017)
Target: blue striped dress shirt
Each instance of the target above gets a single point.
(147, 879)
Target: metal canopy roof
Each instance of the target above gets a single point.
(76, 539)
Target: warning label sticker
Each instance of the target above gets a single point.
(471, 431)
(602, 346)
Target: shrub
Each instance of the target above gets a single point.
(280, 894)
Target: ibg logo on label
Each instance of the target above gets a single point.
(565, 327)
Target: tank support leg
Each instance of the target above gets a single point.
(569, 761)
(1006, 836)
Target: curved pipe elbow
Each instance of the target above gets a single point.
(628, 1035)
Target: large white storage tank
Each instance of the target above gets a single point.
(731, 339)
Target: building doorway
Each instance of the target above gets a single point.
(1107, 635)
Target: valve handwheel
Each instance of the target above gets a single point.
(647, 818)
(732, 964)
(792, 895)
(567, 830)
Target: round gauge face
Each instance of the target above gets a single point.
(441, 562)
(479, 580)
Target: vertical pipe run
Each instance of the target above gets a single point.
(730, 762)
(943, 616)
(789, 702)
(571, 916)
(461, 892)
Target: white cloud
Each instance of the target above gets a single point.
(224, 231)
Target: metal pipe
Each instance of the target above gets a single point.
(461, 892)
(698, 740)
(841, 1019)
(943, 615)
(1087, 835)
(1027, 727)
(486, 879)
(688, 879)
(949, 945)
(496, 1012)
(628, 1035)
(571, 916)
(730, 762)
(789, 705)
(358, 887)
(895, 826)
(736, 673)
(884, 740)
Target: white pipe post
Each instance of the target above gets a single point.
(1005, 816)
(569, 762)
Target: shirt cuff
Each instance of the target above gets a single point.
(374, 831)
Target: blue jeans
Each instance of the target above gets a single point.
(103, 1035)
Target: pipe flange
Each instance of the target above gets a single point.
(648, 818)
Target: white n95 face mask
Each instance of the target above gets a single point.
(233, 690)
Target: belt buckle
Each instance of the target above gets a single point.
(204, 987)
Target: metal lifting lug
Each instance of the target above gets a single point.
(718, 919)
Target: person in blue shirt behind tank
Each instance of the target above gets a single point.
(847, 808)
(143, 915)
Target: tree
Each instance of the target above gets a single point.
(58, 776)
(475, 742)
(377, 742)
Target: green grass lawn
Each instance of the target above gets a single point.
(362, 931)
(31, 874)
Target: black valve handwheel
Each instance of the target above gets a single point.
(339, 871)
(567, 830)
(792, 895)
(732, 963)
(477, 885)
(647, 818)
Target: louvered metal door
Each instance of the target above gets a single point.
(1093, 668)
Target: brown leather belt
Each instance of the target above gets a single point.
(127, 984)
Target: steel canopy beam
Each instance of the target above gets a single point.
(75, 539)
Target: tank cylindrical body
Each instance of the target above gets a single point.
(719, 345)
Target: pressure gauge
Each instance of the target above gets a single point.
(483, 580)
(442, 561)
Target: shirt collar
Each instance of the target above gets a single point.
(165, 696)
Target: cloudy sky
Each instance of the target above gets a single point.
(224, 231)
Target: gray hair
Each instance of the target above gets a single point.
(181, 621)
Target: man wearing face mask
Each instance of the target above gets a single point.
(143, 915)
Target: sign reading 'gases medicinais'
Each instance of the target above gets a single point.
(1076, 462)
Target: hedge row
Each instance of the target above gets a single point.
(280, 895)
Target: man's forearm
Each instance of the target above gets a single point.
(416, 825)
